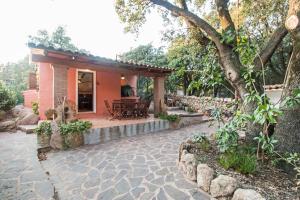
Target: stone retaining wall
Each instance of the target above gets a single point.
(99, 135)
(201, 104)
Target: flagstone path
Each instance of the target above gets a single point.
(21, 175)
(141, 167)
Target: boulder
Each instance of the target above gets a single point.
(188, 165)
(7, 125)
(56, 140)
(25, 115)
(17, 110)
(205, 175)
(29, 119)
(246, 194)
(223, 186)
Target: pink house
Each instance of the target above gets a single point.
(88, 80)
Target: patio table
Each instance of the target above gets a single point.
(126, 108)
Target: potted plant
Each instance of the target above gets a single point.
(173, 119)
(72, 132)
(43, 132)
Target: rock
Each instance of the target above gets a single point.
(246, 194)
(7, 125)
(29, 119)
(74, 140)
(25, 115)
(188, 165)
(205, 175)
(223, 186)
(17, 109)
(56, 141)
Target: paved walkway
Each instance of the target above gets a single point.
(21, 175)
(141, 167)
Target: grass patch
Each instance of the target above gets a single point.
(242, 160)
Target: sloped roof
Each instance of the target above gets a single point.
(92, 59)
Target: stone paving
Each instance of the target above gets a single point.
(140, 167)
(21, 175)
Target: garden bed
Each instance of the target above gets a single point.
(269, 181)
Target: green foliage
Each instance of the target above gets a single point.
(44, 128)
(146, 54)
(266, 113)
(240, 160)
(227, 137)
(216, 113)
(15, 77)
(58, 39)
(294, 160)
(35, 107)
(202, 141)
(197, 68)
(267, 143)
(228, 36)
(76, 127)
(171, 118)
(199, 138)
(292, 100)
(7, 97)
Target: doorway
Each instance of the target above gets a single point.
(86, 91)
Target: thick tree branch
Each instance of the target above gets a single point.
(182, 4)
(224, 15)
(207, 28)
(268, 50)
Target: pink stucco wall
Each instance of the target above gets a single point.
(29, 97)
(45, 88)
(108, 87)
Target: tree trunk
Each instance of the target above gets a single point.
(288, 127)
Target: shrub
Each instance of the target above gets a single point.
(202, 141)
(8, 100)
(35, 107)
(247, 164)
(171, 118)
(43, 129)
(227, 137)
(242, 160)
(76, 127)
(228, 160)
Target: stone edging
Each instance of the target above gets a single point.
(222, 187)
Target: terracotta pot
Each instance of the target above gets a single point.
(174, 125)
(74, 140)
(43, 140)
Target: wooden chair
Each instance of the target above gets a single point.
(114, 113)
(145, 108)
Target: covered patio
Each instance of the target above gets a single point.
(62, 74)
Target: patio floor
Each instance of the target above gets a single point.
(21, 175)
(106, 122)
(140, 167)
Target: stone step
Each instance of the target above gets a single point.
(183, 113)
(173, 108)
(28, 129)
(100, 135)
